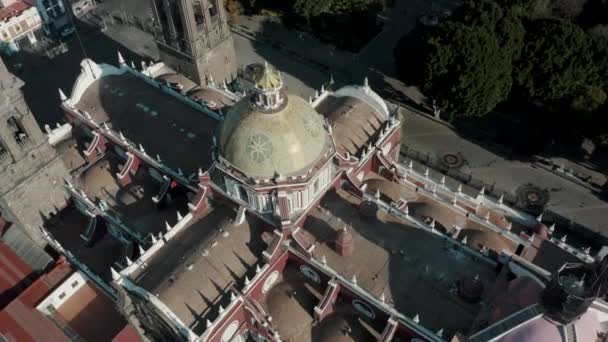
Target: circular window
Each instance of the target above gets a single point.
(310, 273)
(270, 280)
(387, 148)
(364, 309)
(230, 332)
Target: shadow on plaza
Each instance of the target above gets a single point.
(43, 76)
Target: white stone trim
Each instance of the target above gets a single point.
(370, 97)
(90, 72)
(141, 262)
(164, 309)
(64, 292)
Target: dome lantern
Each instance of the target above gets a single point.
(268, 88)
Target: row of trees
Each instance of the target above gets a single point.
(514, 54)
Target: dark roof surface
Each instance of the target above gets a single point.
(146, 115)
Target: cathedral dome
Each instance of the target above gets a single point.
(272, 134)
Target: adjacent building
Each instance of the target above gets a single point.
(43, 298)
(31, 171)
(56, 16)
(194, 38)
(19, 22)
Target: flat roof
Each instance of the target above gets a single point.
(193, 272)
(66, 227)
(14, 273)
(417, 271)
(133, 203)
(291, 302)
(85, 307)
(146, 115)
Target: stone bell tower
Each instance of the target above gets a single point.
(194, 38)
(31, 171)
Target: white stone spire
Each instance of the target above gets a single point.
(62, 95)
(121, 60)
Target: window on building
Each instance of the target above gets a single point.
(213, 9)
(199, 12)
(19, 133)
(267, 200)
(317, 185)
(243, 194)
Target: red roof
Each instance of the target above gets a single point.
(39, 289)
(127, 334)
(13, 10)
(20, 320)
(15, 275)
(23, 323)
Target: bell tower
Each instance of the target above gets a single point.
(194, 38)
(31, 171)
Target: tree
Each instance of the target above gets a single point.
(311, 8)
(466, 62)
(587, 98)
(569, 9)
(555, 62)
(467, 69)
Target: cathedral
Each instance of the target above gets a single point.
(238, 211)
(210, 205)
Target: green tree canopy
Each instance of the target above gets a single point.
(313, 8)
(556, 61)
(467, 70)
(466, 62)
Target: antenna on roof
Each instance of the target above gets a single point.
(70, 15)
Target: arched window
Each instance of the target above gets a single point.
(243, 194)
(213, 9)
(19, 133)
(199, 12)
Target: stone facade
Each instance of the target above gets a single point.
(31, 171)
(194, 38)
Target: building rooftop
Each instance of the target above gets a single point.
(193, 272)
(86, 306)
(126, 102)
(67, 226)
(417, 271)
(13, 10)
(132, 204)
(381, 251)
(354, 121)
